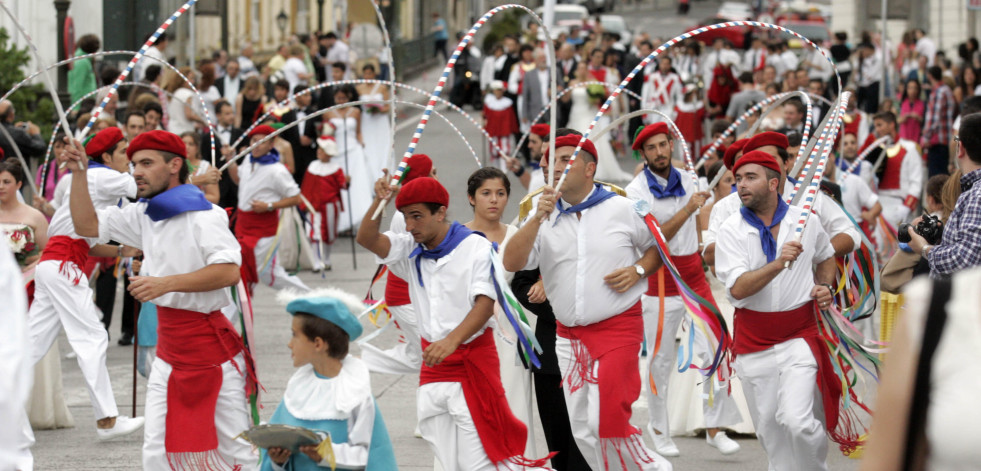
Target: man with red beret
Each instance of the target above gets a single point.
(674, 199)
(593, 252)
(62, 296)
(780, 356)
(198, 385)
(265, 186)
(463, 412)
(845, 236)
(537, 141)
(406, 357)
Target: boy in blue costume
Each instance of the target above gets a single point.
(331, 390)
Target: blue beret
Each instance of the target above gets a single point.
(328, 309)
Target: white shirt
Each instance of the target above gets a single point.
(247, 67)
(452, 282)
(575, 254)
(179, 122)
(926, 47)
(740, 250)
(864, 172)
(855, 195)
(231, 89)
(267, 183)
(178, 245)
(685, 241)
(292, 70)
(140, 69)
(870, 70)
(106, 188)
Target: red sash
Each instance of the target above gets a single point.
(475, 366)
(756, 331)
(396, 291)
(251, 226)
(196, 344)
(65, 249)
(691, 271)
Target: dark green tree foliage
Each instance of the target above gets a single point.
(32, 101)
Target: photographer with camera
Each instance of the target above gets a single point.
(960, 245)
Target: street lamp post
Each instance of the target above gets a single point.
(61, 7)
(320, 16)
(281, 20)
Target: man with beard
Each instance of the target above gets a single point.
(781, 357)
(674, 200)
(195, 401)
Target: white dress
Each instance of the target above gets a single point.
(582, 113)
(351, 157)
(377, 127)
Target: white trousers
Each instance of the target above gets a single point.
(274, 275)
(57, 300)
(723, 412)
(893, 210)
(584, 417)
(784, 403)
(405, 357)
(445, 422)
(231, 417)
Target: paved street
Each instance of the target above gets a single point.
(79, 449)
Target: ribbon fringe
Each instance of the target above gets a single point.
(209, 460)
(630, 447)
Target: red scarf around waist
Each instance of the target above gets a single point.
(196, 344)
(756, 331)
(616, 341)
(66, 249)
(475, 366)
(251, 226)
(691, 271)
(396, 291)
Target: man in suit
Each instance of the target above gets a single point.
(305, 148)
(225, 135)
(229, 85)
(535, 90)
(567, 71)
(644, 49)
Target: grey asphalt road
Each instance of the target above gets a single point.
(79, 449)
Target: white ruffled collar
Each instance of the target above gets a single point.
(322, 169)
(309, 397)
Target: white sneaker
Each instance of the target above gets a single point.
(726, 445)
(663, 444)
(124, 426)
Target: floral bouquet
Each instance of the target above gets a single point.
(373, 108)
(597, 93)
(21, 244)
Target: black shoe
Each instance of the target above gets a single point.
(125, 340)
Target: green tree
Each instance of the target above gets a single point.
(32, 102)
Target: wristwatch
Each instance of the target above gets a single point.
(926, 249)
(640, 270)
(830, 288)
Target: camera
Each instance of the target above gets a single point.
(930, 228)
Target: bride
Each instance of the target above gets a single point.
(25, 230)
(346, 123)
(584, 108)
(375, 123)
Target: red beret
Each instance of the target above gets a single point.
(422, 190)
(572, 140)
(2, 154)
(730, 156)
(540, 129)
(157, 140)
(648, 132)
(263, 129)
(420, 165)
(757, 157)
(103, 142)
(768, 138)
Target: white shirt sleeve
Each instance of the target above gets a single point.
(398, 255)
(822, 244)
(115, 183)
(62, 189)
(641, 235)
(532, 262)
(480, 281)
(730, 260)
(866, 196)
(835, 221)
(353, 454)
(716, 218)
(216, 242)
(913, 169)
(121, 225)
(285, 184)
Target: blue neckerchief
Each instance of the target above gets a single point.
(844, 164)
(598, 196)
(674, 188)
(94, 164)
(791, 180)
(270, 158)
(733, 188)
(766, 237)
(454, 236)
(177, 200)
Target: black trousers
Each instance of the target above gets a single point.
(555, 424)
(105, 300)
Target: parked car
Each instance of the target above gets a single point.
(736, 35)
(566, 16)
(594, 6)
(616, 24)
(816, 31)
